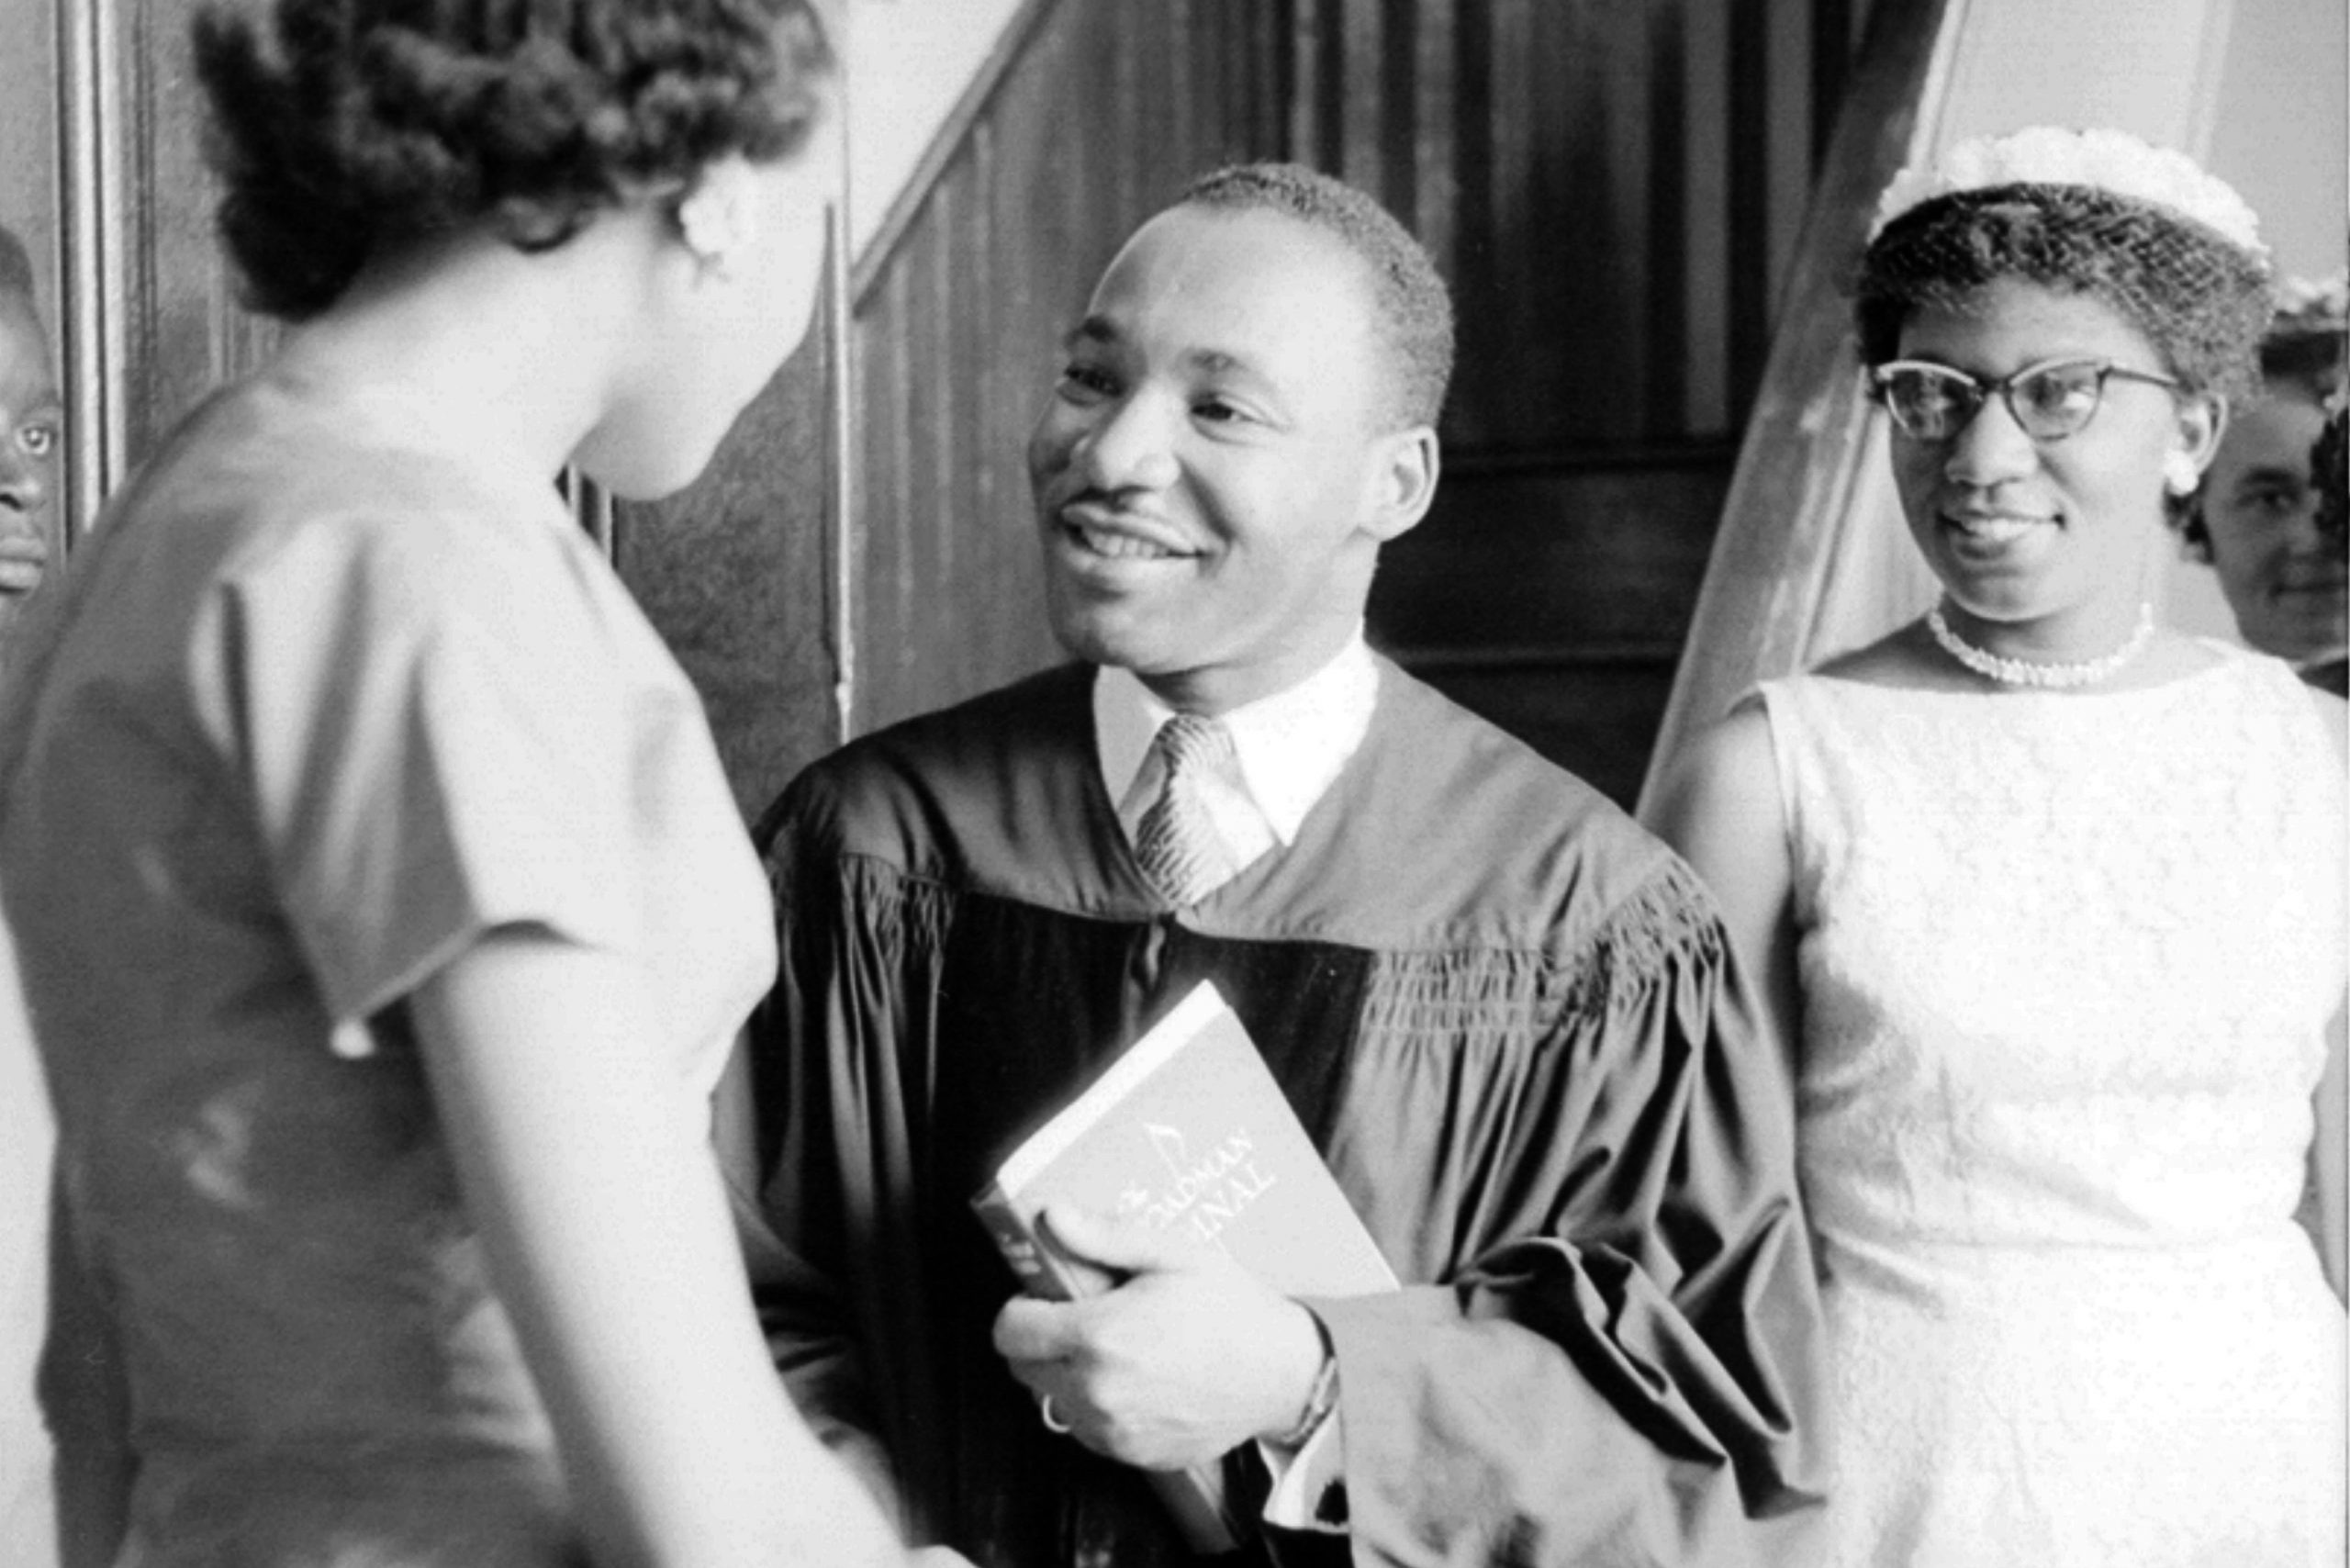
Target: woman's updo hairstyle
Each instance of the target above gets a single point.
(2175, 251)
(375, 122)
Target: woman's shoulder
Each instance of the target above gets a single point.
(257, 486)
(1901, 659)
(349, 518)
(1733, 765)
(350, 567)
(1727, 774)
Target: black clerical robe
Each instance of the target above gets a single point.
(1507, 1016)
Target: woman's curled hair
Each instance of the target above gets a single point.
(374, 122)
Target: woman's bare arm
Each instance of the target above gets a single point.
(1720, 808)
(594, 1187)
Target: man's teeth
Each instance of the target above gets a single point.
(1996, 530)
(1121, 546)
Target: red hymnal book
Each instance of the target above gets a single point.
(1186, 1128)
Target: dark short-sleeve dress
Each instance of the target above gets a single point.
(322, 709)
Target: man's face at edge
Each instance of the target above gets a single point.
(2284, 581)
(31, 452)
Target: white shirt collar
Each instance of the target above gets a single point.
(1291, 745)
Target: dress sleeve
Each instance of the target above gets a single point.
(1625, 1371)
(428, 715)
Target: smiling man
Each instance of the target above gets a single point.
(1508, 1018)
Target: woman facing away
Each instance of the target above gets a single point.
(381, 907)
(2051, 900)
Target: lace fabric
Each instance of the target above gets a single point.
(2066, 963)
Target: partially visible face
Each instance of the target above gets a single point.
(31, 451)
(2285, 584)
(729, 328)
(2053, 532)
(1208, 473)
(779, 270)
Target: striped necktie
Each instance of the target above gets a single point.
(1176, 842)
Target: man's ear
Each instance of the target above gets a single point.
(1404, 481)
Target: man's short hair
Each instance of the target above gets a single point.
(1413, 306)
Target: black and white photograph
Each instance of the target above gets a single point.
(1174, 783)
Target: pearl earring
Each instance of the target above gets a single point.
(2180, 475)
(715, 217)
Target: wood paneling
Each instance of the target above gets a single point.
(147, 309)
(1559, 559)
(1095, 115)
(183, 331)
(1613, 189)
(1785, 524)
(1603, 716)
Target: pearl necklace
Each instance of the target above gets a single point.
(2029, 672)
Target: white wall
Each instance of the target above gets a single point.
(2282, 132)
(909, 61)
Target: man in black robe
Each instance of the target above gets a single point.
(1508, 1018)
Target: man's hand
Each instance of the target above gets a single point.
(1188, 1358)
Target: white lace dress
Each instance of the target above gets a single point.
(2067, 964)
